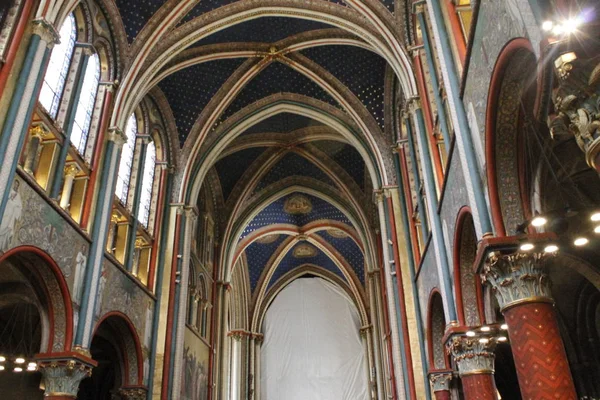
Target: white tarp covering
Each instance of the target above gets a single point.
(312, 348)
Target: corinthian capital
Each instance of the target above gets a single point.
(517, 278)
(472, 355)
(62, 375)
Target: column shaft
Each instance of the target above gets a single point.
(479, 387)
(537, 347)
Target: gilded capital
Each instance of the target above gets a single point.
(440, 381)
(577, 104)
(61, 376)
(517, 278)
(71, 170)
(133, 393)
(472, 355)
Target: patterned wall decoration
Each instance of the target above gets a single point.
(274, 213)
(276, 78)
(135, 14)
(257, 256)
(362, 71)
(282, 123)
(124, 295)
(291, 261)
(347, 157)
(293, 164)
(232, 167)
(43, 227)
(348, 248)
(262, 30)
(189, 90)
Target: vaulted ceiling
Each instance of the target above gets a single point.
(292, 103)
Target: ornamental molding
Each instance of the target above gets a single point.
(117, 136)
(440, 381)
(517, 278)
(61, 376)
(133, 393)
(472, 355)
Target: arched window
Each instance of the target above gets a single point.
(201, 320)
(192, 297)
(85, 106)
(126, 163)
(147, 184)
(58, 68)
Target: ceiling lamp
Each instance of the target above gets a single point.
(527, 246)
(595, 217)
(551, 248)
(470, 333)
(485, 329)
(580, 241)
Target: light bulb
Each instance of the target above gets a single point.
(595, 217)
(31, 364)
(597, 229)
(2, 358)
(571, 25)
(539, 221)
(470, 333)
(485, 329)
(18, 369)
(1, 367)
(19, 360)
(502, 338)
(558, 29)
(551, 248)
(527, 246)
(30, 368)
(504, 326)
(547, 26)
(484, 340)
(581, 241)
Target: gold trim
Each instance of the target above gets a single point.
(478, 372)
(532, 299)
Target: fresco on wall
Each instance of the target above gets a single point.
(125, 295)
(30, 220)
(195, 368)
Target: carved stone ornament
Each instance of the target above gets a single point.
(62, 376)
(471, 355)
(117, 136)
(46, 31)
(577, 104)
(517, 278)
(133, 393)
(440, 381)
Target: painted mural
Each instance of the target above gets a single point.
(124, 295)
(42, 226)
(194, 384)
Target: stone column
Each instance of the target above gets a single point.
(475, 360)
(522, 287)
(133, 393)
(236, 364)
(365, 333)
(71, 171)
(258, 339)
(440, 384)
(62, 375)
(36, 133)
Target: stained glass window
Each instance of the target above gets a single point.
(58, 67)
(85, 106)
(122, 189)
(147, 184)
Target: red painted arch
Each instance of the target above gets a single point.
(461, 218)
(490, 126)
(429, 330)
(138, 348)
(63, 287)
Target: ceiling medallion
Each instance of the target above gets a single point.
(304, 250)
(297, 204)
(337, 233)
(268, 239)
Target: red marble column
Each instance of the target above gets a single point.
(479, 387)
(475, 361)
(440, 384)
(522, 288)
